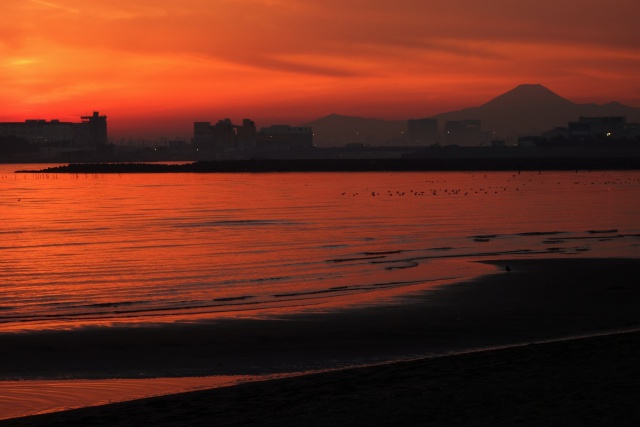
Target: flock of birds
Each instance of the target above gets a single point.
(438, 186)
(485, 190)
(435, 192)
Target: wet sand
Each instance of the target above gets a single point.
(586, 381)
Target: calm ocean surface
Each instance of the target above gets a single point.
(78, 250)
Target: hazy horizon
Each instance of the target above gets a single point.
(155, 67)
(148, 128)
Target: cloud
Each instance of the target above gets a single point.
(260, 33)
(55, 6)
(361, 52)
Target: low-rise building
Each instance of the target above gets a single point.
(53, 139)
(90, 132)
(594, 127)
(465, 133)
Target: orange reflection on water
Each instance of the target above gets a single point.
(127, 249)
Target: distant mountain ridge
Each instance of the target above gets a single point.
(527, 94)
(528, 109)
(531, 109)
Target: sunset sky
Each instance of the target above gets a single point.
(156, 66)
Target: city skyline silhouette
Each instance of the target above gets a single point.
(152, 67)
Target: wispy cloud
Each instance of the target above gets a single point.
(18, 62)
(359, 53)
(55, 6)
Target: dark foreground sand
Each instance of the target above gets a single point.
(594, 381)
(590, 381)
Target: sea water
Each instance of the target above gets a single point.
(136, 249)
(108, 249)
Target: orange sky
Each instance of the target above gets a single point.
(155, 66)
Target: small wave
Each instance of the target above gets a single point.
(339, 260)
(599, 238)
(249, 221)
(498, 253)
(485, 236)
(50, 245)
(406, 283)
(383, 253)
(400, 267)
(488, 237)
(230, 299)
(270, 279)
(614, 230)
(321, 291)
(66, 230)
(540, 233)
(110, 304)
(358, 288)
(174, 310)
(234, 223)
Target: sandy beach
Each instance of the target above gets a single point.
(588, 381)
(580, 382)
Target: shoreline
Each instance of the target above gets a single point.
(539, 300)
(542, 162)
(85, 394)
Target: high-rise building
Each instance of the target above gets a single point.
(422, 131)
(224, 136)
(464, 132)
(246, 135)
(218, 137)
(96, 127)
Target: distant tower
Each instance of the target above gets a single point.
(96, 127)
(202, 135)
(246, 134)
(464, 132)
